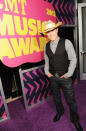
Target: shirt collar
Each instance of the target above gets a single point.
(56, 41)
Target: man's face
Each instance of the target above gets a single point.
(52, 35)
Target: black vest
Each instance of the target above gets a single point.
(58, 62)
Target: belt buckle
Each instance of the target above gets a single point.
(57, 75)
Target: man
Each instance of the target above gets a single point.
(60, 63)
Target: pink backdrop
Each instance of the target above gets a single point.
(21, 22)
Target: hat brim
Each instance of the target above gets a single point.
(56, 26)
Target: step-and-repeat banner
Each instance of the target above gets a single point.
(65, 10)
(35, 86)
(21, 22)
(4, 114)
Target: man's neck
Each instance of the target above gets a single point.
(55, 39)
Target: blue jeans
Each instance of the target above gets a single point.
(68, 90)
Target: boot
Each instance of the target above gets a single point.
(78, 126)
(58, 116)
(75, 121)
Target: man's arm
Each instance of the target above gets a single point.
(46, 68)
(72, 58)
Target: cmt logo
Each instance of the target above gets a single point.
(21, 22)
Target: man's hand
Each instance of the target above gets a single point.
(49, 75)
(64, 76)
